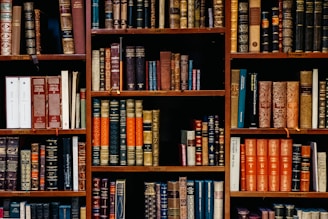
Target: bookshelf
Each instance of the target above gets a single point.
(275, 66)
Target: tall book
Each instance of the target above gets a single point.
(35, 155)
(115, 66)
(3, 162)
(164, 199)
(324, 26)
(130, 60)
(83, 107)
(211, 140)
(234, 163)
(25, 164)
(104, 132)
(54, 101)
(67, 163)
(191, 198)
(234, 95)
(24, 96)
(16, 30)
(114, 135)
(317, 25)
(52, 168)
(12, 104)
(262, 164)
(75, 162)
(65, 99)
(234, 25)
(254, 25)
(288, 27)
(218, 205)
(147, 137)
(75, 88)
(306, 99)
(39, 102)
(165, 60)
(286, 156)
(78, 25)
(279, 101)
(275, 29)
(197, 126)
(120, 198)
(250, 164)
(242, 98)
(173, 199)
(12, 151)
(188, 138)
(156, 136)
(305, 168)
(243, 19)
(265, 104)
(96, 131)
(292, 104)
(6, 12)
(29, 27)
(140, 68)
(139, 132)
(130, 132)
(208, 198)
(183, 197)
(66, 26)
(314, 166)
(296, 167)
(199, 198)
(315, 98)
(205, 149)
(42, 168)
(308, 26)
(299, 26)
(252, 97)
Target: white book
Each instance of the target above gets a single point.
(75, 153)
(65, 99)
(314, 154)
(322, 171)
(77, 112)
(12, 102)
(234, 163)
(191, 198)
(75, 75)
(25, 106)
(218, 199)
(315, 97)
(22, 210)
(28, 211)
(95, 70)
(188, 139)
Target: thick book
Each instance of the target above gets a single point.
(274, 164)
(305, 168)
(115, 66)
(234, 95)
(254, 25)
(16, 30)
(262, 164)
(78, 25)
(242, 98)
(265, 104)
(250, 164)
(122, 157)
(24, 96)
(29, 27)
(140, 68)
(66, 26)
(292, 104)
(114, 133)
(39, 102)
(54, 101)
(306, 99)
(279, 101)
(12, 101)
(286, 156)
(234, 163)
(188, 138)
(12, 151)
(65, 211)
(173, 199)
(52, 165)
(243, 19)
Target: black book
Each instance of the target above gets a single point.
(252, 100)
(308, 38)
(75, 211)
(46, 210)
(67, 163)
(33, 210)
(242, 26)
(317, 19)
(54, 210)
(39, 210)
(299, 26)
(324, 25)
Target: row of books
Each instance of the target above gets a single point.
(52, 164)
(108, 197)
(282, 210)
(278, 104)
(289, 26)
(55, 209)
(39, 28)
(113, 14)
(124, 133)
(172, 71)
(203, 145)
(48, 101)
(184, 198)
(260, 164)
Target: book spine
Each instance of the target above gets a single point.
(115, 66)
(251, 171)
(6, 26)
(208, 198)
(114, 132)
(305, 178)
(308, 22)
(52, 169)
(324, 26)
(286, 151)
(139, 132)
(25, 155)
(288, 26)
(96, 131)
(265, 39)
(211, 140)
(82, 166)
(275, 29)
(54, 101)
(242, 40)
(315, 98)
(234, 95)
(164, 200)
(205, 148)
(262, 165)
(25, 102)
(147, 137)
(253, 99)
(254, 25)
(12, 102)
(37, 25)
(243, 167)
(183, 196)
(123, 158)
(279, 100)
(183, 14)
(322, 104)
(75, 163)
(12, 163)
(292, 104)
(66, 26)
(139, 14)
(42, 172)
(317, 25)
(299, 26)
(120, 198)
(130, 68)
(95, 70)
(296, 167)
(150, 199)
(140, 68)
(67, 165)
(95, 14)
(104, 132)
(102, 77)
(234, 25)
(65, 99)
(199, 198)
(322, 171)
(130, 132)
(265, 103)
(108, 10)
(146, 14)
(242, 98)
(156, 136)
(153, 17)
(234, 163)
(173, 200)
(197, 123)
(39, 115)
(305, 99)
(16, 30)
(78, 18)
(218, 205)
(174, 14)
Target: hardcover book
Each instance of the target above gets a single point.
(286, 151)
(296, 167)
(265, 104)
(122, 158)
(16, 30)
(234, 94)
(29, 27)
(104, 132)
(183, 197)
(199, 198)
(262, 165)
(24, 96)
(251, 164)
(305, 168)
(147, 137)
(234, 163)
(25, 164)
(306, 99)
(12, 151)
(190, 198)
(243, 20)
(66, 25)
(67, 163)
(252, 97)
(39, 99)
(78, 25)
(292, 104)
(208, 198)
(156, 136)
(242, 98)
(12, 102)
(96, 131)
(254, 25)
(173, 200)
(139, 132)
(114, 124)
(279, 101)
(234, 25)
(35, 156)
(130, 132)
(218, 196)
(54, 101)
(120, 198)
(322, 171)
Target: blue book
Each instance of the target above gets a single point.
(190, 67)
(242, 98)
(164, 200)
(120, 199)
(199, 199)
(123, 149)
(209, 198)
(64, 211)
(95, 14)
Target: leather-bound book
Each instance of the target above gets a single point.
(274, 165)
(317, 25)
(305, 99)
(279, 101)
(286, 156)
(140, 68)
(250, 164)
(308, 25)
(130, 55)
(265, 104)
(16, 30)
(293, 104)
(66, 26)
(165, 60)
(299, 26)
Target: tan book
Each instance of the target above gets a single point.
(147, 137)
(174, 14)
(305, 99)
(16, 30)
(191, 13)
(161, 22)
(293, 104)
(165, 60)
(234, 95)
(177, 72)
(234, 25)
(279, 101)
(37, 17)
(183, 14)
(265, 104)
(156, 136)
(254, 25)
(322, 104)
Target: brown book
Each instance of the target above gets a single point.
(250, 152)
(165, 60)
(279, 101)
(177, 72)
(183, 197)
(262, 165)
(183, 14)
(174, 14)
(107, 69)
(78, 25)
(254, 25)
(286, 156)
(130, 62)
(205, 141)
(66, 26)
(234, 95)
(322, 104)
(39, 100)
(16, 30)
(173, 200)
(37, 17)
(184, 72)
(265, 103)
(305, 99)
(115, 66)
(293, 104)
(54, 101)
(242, 167)
(274, 165)
(305, 168)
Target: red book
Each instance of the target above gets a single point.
(198, 141)
(262, 165)
(115, 66)
(39, 100)
(242, 167)
(250, 152)
(305, 168)
(54, 101)
(286, 157)
(274, 165)
(265, 103)
(78, 20)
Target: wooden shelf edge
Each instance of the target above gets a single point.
(42, 131)
(159, 93)
(49, 57)
(279, 194)
(42, 193)
(270, 55)
(252, 131)
(158, 169)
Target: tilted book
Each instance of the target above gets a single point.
(66, 25)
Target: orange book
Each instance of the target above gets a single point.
(198, 141)
(305, 168)
(273, 165)
(286, 157)
(242, 167)
(262, 165)
(130, 132)
(250, 152)
(139, 133)
(104, 132)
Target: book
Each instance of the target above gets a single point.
(78, 25)
(173, 200)
(234, 163)
(265, 104)
(275, 29)
(65, 119)
(164, 199)
(317, 25)
(197, 126)
(315, 97)
(123, 149)
(279, 101)
(52, 170)
(81, 166)
(254, 25)
(242, 98)
(75, 88)
(3, 162)
(147, 137)
(199, 198)
(234, 95)
(183, 197)
(130, 56)
(139, 132)
(54, 102)
(165, 60)
(66, 26)
(305, 168)
(6, 21)
(75, 162)
(12, 102)
(12, 153)
(262, 165)
(292, 103)
(211, 140)
(65, 211)
(150, 199)
(96, 131)
(156, 136)
(67, 163)
(115, 66)
(296, 167)
(242, 33)
(322, 171)
(288, 26)
(242, 164)
(25, 164)
(104, 132)
(75, 208)
(83, 107)
(265, 38)
(251, 164)
(120, 198)
(130, 132)
(205, 136)
(42, 167)
(234, 25)
(190, 198)
(306, 99)
(324, 24)
(314, 166)
(35, 156)
(140, 68)
(286, 151)
(188, 138)
(252, 97)
(218, 196)
(16, 29)
(39, 102)
(299, 26)
(308, 25)
(114, 134)
(95, 61)
(208, 198)
(24, 96)
(322, 104)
